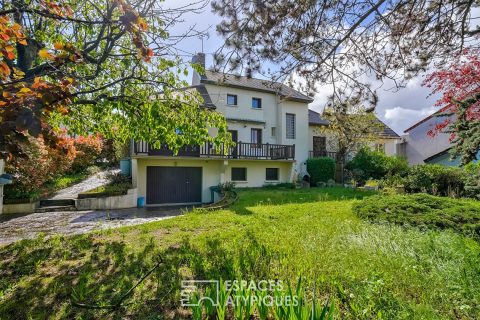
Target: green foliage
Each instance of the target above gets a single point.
(472, 180)
(370, 164)
(118, 184)
(424, 211)
(436, 180)
(282, 185)
(367, 270)
(225, 187)
(321, 169)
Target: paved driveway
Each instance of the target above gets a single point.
(15, 227)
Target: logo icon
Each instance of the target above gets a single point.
(191, 287)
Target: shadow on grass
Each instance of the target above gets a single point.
(251, 197)
(41, 278)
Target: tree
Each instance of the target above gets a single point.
(344, 43)
(351, 126)
(97, 66)
(459, 85)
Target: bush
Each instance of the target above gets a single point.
(472, 180)
(436, 180)
(369, 164)
(116, 178)
(89, 149)
(424, 211)
(321, 169)
(40, 164)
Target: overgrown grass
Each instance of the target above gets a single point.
(367, 270)
(423, 211)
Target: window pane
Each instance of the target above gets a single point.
(290, 126)
(231, 99)
(239, 174)
(256, 103)
(271, 174)
(256, 135)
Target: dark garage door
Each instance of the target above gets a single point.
(174, 185)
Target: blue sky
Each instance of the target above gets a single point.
(398, 108)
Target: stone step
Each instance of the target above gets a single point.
(57, 202)
(55, 209)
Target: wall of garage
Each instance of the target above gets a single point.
(210, 172)
(214, 171)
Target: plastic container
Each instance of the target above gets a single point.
(140, 202)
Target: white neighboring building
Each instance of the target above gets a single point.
(269, 122)
(323, 144)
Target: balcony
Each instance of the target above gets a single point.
(323, 153)
(242, 150)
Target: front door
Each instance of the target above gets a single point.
(319, 146)
(174, 185)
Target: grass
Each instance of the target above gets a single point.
(367, 270)
(424, 211)
(63, 182)
(109, 189)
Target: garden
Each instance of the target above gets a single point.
(339, 262)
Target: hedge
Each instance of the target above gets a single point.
(321, 169)
(423, 211)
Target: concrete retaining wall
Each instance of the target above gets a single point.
(20, 208)
(106, 203)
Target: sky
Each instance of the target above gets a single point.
(399, 109)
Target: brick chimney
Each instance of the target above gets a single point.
(199, 58)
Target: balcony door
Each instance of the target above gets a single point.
(319, 146)
(234, 134)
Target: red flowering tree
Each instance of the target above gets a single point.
(459, 85)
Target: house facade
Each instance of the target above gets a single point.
(268, 121)
(321, 143)
(420, 147)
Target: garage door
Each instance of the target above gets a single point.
(174, 185)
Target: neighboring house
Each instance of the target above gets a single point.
(324, 144)
(423, 148)
(268, 121)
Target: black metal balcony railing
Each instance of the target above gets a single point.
(322, 153)
(242, 150)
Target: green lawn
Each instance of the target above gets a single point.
(368, 270)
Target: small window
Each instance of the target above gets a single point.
(271, 174)
(274, 131)
(256, 103)
(239, 174)
(256, 136)
(290, 118)
(232, 99)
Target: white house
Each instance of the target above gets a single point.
(269, 123)
(420, 147)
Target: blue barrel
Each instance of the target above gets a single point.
(126, 167)
(141, 202)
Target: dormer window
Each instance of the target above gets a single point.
(256, 103)
(232, 99)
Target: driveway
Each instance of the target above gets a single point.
(91, 182)
(14, 227)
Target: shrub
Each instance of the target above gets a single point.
(472, 180)
(227, 186)
(424, 211)
(321, 169)
(40, 164)
(89, 149)
(116, 178)
(369, 164)
(436, 180)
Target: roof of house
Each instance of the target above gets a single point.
(231, 80)
(426, 119)
(314, 118)
(202, 90)
(387, 131)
